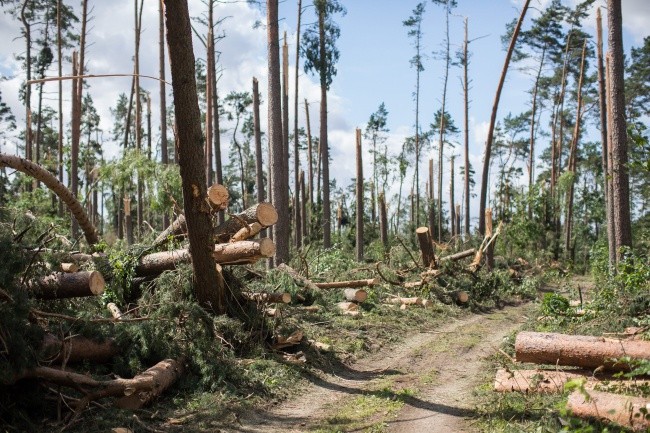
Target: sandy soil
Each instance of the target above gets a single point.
(442, 367)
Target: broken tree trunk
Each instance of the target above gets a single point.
(296, 277)
(69, 268)
(578, 350)
(218, 197)
(77, 349)
(176, 228)
(64, 194)
(62, 285)
(225, 254)
(626, 411)
(267, 298)
(263, 213)
(247, 232)
(459, 256)
(406, 301)
(426, 247)
(115, 311)
(163, 375)
(344, 284)
(355, 295)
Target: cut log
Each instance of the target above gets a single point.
(578, 350)
(61, 285)
(459, 256)
(247, 232)
(426, 247)
(163, 375)
(176, 228)
(267, 298)
(226, 254)
(296, 277)
(263, 213)
(77, 349)
(69, 268)
(406, 301)
(626, 411)
(412, 284)
(541, 381)
(115, 311)
(459, 296)
(243, 251)
(218, 197)
(344, 284)
(430, 273)
(355, 295)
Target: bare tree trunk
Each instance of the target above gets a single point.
(493, 117)
(59, 47)
(531, 150)
(452, 209)
(441, 145)
(609, 210)
(259, 175)
(359, 226)
(296, 142)
(620, 176)
(310, 166)
(190, 150)
(279, 191)
(208, 113)
(383, 220)
(138, 110)
(466, 129)
(128, 220)
(324, 146)
(303, 204)
(216, 134)
(163, 96)
(74, 137)
(28, 72)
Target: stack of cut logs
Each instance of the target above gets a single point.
(596, 358)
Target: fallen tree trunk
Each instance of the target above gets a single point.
(77, 349)
(344, 284)
(459, 256)
(626, 411)
(263, 213)
(69, 268)
(355, 295)
(63, 285)
(406, 301)
(163, 375)
(267, 298)
(578, 350)
(348, 308)
(247, 232)
(426, 247)
(176, 228)
(64, 194)
(296, 277)
(226, 254)
(542, 381)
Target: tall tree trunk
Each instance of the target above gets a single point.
(442, 124)
(163, 96)
(324, 146)
(609, 210)
(383, 220)
(296, 141)
(138, 109)
(310, 166)
(574, 156)
(620, 177)
(279, 190)
(493, 118)
(466, 129)
(359, 225)
(259, 171)
(190, 150)
(75, 137)
(59, 47)
(452, 209)
(216, 134)
(208, 113)
(285, 123)
(28, 76)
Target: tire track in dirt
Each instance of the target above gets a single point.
(452, 357)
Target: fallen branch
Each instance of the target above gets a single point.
(163, 375)
(344, 284)
(267, 298)
(459, 256)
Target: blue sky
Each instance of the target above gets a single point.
(373, 68)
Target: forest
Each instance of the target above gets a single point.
(195, 236)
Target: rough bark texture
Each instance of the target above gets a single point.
(64, 194)
(77, 349)
(493, 118)
(162, 92)
(190, 150)
(426, 247)
(620, 176)
(267, 298)
(578, 350)
(459, 256)
(383, 220)
(68, 285)
(263, 213)
(466, 129)
(279, 191)
(298, 205)
(629, 412)
(541, 381)
(259, 171)
(324, 145)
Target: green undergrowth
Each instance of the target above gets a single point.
(606, 302)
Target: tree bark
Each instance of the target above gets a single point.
(68, 285)
(77, 349)
(493, 118)
(383, 220)
(323, 143)
(267, 298)
(310, 163)
(216, 134)
(626, 411)
(539, 381)
(359, 225)
(64, 194)
(426, 247)
(296, 142)
(355, 295)
(578, 350)
(259, 171)
(459, 256)
(190, 150)
(163, 96)
(263, 213)
(350, 284)
(162, 375)
(620, 176)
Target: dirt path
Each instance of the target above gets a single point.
(423, 384)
